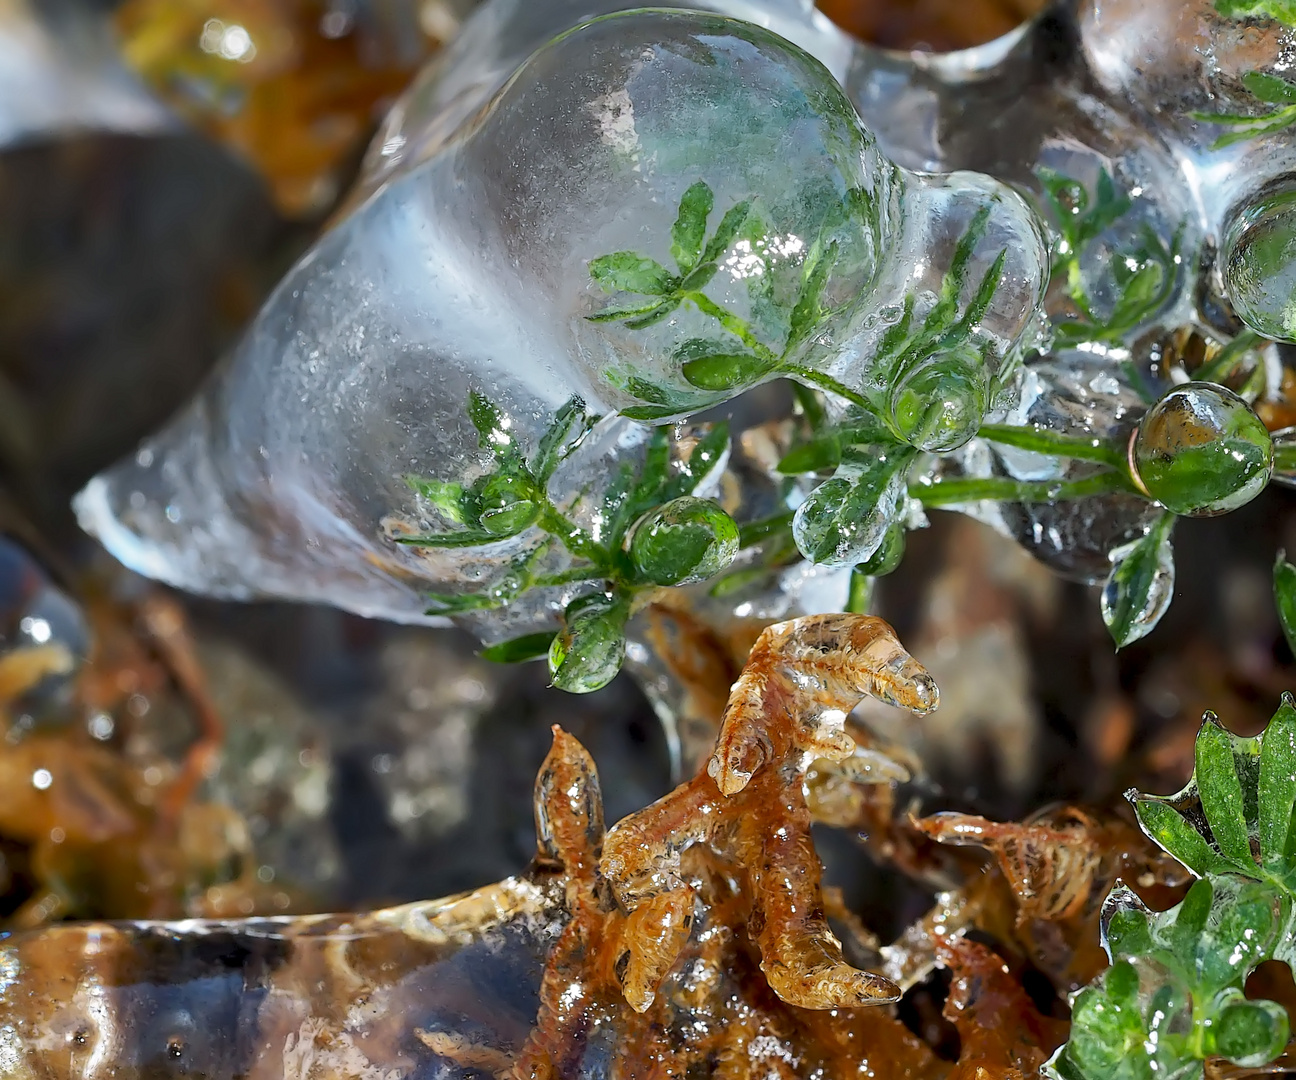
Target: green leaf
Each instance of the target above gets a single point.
(1271, 89)
(1235, 814)
(727, 231)
(1141, 584)
(984, 295)
(723, 371)
(518, 650)
(1109, 206)
(964, 250)
(627, 312)
(806, 314)
(699, 277)
(689, 230)
(1284, 583)
(660, 401)
(705, 456)
(1141, 293)
(1220, 792)
(683, 541)
(570, 425)
(1279, 121)
(649, 413)
(588, 652)
(845, 519)
(446, 495)
(656, 315)
(492, 431)
(1170, 830)
(1277, 789)
(628, 271)
(466, 538)
(1125, 924)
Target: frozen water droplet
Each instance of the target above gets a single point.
(845, 520)
(1259, 259)
(626, 223)
(588, 652)
(1202, 451)
(939, 405)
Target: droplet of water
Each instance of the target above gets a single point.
(939, 405)
(1259, 260)
(683, 541)
(1202, 451)
(588, 652)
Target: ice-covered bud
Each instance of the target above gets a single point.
(1260, 264)
(683, 541)
(508, 504)
(589, 651)
(888, 555)
(1249, 1033)
(845, 519)
(1202, 451)
(939, 405)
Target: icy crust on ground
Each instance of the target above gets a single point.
(470, 273)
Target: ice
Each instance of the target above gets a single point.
(649, 213)
(1126, 588)
(640, 141)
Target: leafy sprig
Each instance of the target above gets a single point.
(737, 356)
(1266, 88)
(1144, 275)
(1174, 993)
(652, 531)
(1141, 584)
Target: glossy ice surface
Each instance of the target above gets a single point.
(657, 210)
(474, 268)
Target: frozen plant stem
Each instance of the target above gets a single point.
(1005, 489)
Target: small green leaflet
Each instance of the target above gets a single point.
(1141, 584)
(626, 271)
(518, 650)
(1266, 88)
(1284, 583)
(689, 231)
(1235, 814)
(1174, 995)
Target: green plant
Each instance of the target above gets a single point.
(1144, 275)
(739, 355)
(1266, 88)
(1174, 994)
(653, 532)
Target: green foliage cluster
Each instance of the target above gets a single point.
(739, 355)
(654, 532)
(1267, 89)
(1174, 994)
(1144, 275)
(866, 459)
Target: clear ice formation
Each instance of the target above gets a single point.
(629, 212)
(471, 272)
